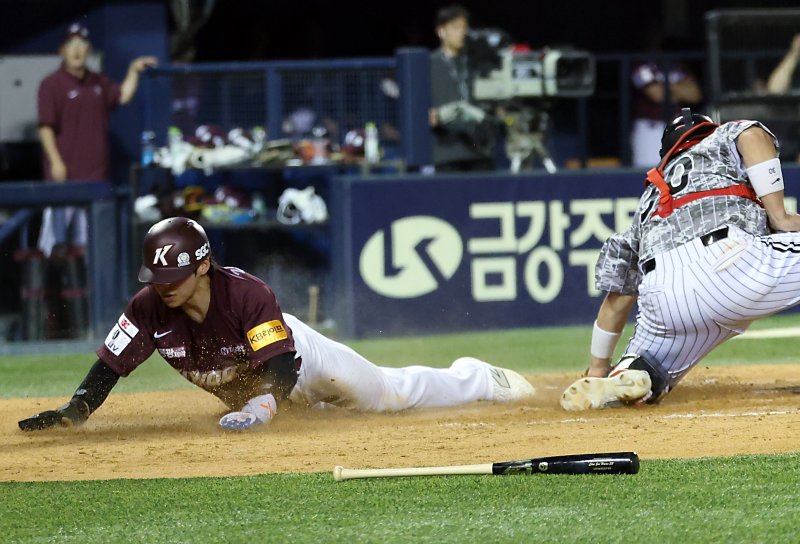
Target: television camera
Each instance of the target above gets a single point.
(521, 83)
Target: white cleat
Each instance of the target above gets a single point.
(238, 421)
(593, 393)
(508, 386)
(258, 411)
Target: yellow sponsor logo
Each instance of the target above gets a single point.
(266, 334)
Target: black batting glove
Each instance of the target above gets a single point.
(74, 413)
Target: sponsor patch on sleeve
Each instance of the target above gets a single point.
(266, 334)
(126, 325)
(121, 335)
(117, 340)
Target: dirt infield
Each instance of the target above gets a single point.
(717, 411)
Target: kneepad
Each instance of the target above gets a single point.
(658, 376)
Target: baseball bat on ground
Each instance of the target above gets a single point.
(626, 462)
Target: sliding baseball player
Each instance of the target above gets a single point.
(224, 331)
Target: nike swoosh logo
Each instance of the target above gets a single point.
(500, 378)
(161, 334)
(776, 181)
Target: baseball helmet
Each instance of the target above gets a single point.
(209, 136)
(680, 126)
(241, 138)
(173, 249)
(354, 143)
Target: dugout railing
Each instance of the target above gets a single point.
(393, 92)
(290, 98)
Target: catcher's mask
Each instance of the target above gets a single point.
(173, 249)
(679, 126)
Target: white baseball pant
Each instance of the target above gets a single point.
(334, 373)
(62, 226)
(698, 296)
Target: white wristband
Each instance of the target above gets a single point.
(603, 342)
(766, 177)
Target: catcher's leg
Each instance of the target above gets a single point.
(635, 379)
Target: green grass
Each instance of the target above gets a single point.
(740, 499)
(525, 349)
(529, 350)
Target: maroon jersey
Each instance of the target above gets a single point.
(77, 111)
(244, 327)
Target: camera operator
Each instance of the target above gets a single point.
(463, 136)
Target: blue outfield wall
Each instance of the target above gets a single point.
(421, 254)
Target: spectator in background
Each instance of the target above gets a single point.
(660, 90)
(74, 104)
(462, 139)
(783, 77)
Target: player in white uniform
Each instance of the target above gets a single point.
(699, 257)
(224, 331)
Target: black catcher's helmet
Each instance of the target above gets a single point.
(173, 248)
(680, 126)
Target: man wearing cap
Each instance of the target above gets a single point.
(74, 104)
(224, 331)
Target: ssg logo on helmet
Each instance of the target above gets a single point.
(202, 251)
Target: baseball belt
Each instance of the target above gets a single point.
(707, 239)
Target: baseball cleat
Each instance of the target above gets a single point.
(508, 385)
(238, 421)
(592, 393)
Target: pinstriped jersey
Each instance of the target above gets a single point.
(711, 164)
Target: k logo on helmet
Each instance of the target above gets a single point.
(173, 248)
(161, 253)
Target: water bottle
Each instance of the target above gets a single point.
(371, 150)
(319, 145)
(259, 137)
(174, 141)
(148, 148)
(258, 205)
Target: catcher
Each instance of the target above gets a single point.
(710, 250)
(224, 331)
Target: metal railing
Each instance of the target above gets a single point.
(344, 94)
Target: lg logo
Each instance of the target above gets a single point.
(418, 254)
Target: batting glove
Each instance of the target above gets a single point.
(75, 412)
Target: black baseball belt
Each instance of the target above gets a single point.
(707, 239)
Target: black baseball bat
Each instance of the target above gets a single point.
(626, 462)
